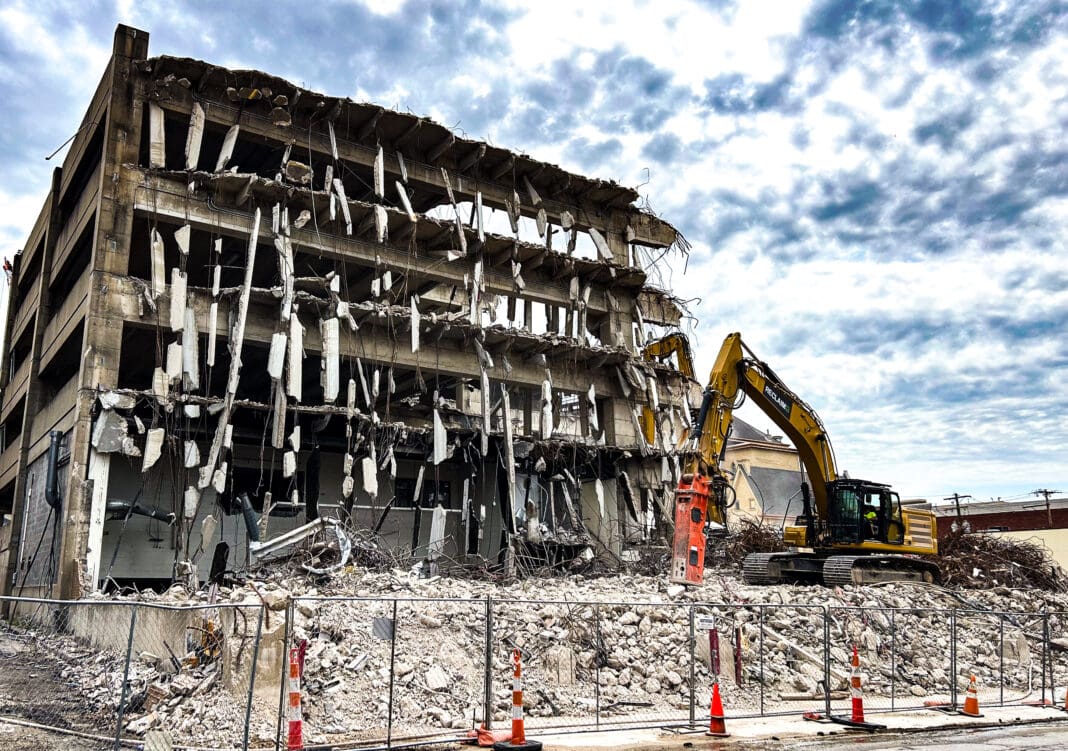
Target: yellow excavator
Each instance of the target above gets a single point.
(849, 531)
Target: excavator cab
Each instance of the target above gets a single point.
(864, 511)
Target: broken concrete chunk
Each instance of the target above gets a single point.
(331, 362)
(416, 322)
(441, 440)
(281, 117)
(535, 199)
(191, 500)
(276, 356)
(178, 290)
(333, 139)
(194, 137)
(289, 464)
(302, 218)
(174, 361)
(405, 201)
(298, 172)
(157, 155)
(153, 447)
(192, 454)
(159, 272)
(370, 476)
(566, 220)
(227, 150)
(379, 174)
(295, 376)
(339, 189)
(181, 236)
(213, 323)
(161, 385)
(381, 223)
(601, 244)
(129, 447)
(115, 400)
(191, 351)
(218, 479)
(542, 221)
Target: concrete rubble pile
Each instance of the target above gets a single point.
(623, 640)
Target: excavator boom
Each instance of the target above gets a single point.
(838, 515)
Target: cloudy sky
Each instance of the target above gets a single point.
(876, 192)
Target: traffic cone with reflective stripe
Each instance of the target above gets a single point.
(716, 726)
(971, 700)
(519, 738)
(293, 710)
(855, 692)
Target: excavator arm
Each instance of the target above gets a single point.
(661, 349)
(857, 529)
(702, 493)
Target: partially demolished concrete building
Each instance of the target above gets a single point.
(245, 299)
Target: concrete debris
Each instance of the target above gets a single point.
(109, 432)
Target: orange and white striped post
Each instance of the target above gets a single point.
(518, 734)
(293, 711)
(855, 692)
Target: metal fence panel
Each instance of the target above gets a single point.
(390, 672)
(53, 676)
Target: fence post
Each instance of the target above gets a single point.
(953, 657)
(392, 675)
(597, 665)
(1047, 658)
(1001, 659)
(252, 674)
(893, 658)
(760, 624)
(826, 660)
(693, 670)
(125, 678)
(287, 636)
(487, 687)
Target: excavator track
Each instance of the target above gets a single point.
(758, 568)
(843, 570)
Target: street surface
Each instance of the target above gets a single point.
(1045, 737)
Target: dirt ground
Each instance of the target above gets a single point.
(32, 690)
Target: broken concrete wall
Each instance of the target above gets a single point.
(393, 282)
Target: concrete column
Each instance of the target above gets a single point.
(103, 333)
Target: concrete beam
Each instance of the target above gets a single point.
(372, 343)
(648, 229)
(168, 199)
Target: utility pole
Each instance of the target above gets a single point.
(956, 498)
(1049, 511)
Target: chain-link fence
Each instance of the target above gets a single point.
(107, 673)
(375, 672)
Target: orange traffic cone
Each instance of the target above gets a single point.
(716, 726)
(971, 700)
(855, 692)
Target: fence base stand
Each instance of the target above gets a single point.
(871, 727)
(522, 746)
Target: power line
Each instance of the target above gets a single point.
(956, 498)
(1049, 512)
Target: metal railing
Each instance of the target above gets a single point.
(383, 673)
